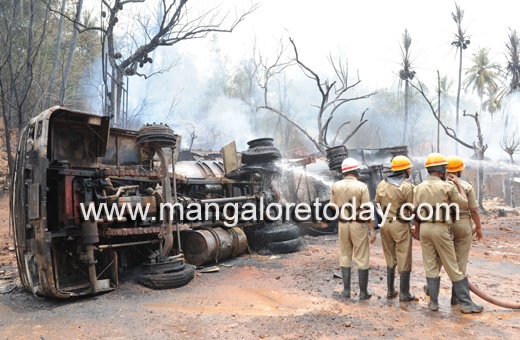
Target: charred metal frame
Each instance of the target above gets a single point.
(67, 158)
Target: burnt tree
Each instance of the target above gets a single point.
(176, 22)
(333, 94)
(477, 146)
(509, 143)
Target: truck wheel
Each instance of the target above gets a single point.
(284, 247)
(271, 232)
(168, 279)
(276, 238)
(163, 267)
(267, 155)
(314, 230)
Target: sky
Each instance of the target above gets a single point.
(367, 33)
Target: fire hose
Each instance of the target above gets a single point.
(486, 297)
(490, 299)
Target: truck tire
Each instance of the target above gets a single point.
(271, 232)
(284, 247)
(169, 279)
(274, 238)
(267, 155)
(164, 267)
(313, 230)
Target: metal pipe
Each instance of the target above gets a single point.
(177, 230)
(130, 244)
(89, 231)
(94, 287)
(228, 200)
(167, 196)
(119, 191)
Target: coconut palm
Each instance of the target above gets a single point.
(406, 74)
(482, 78)
(513, 61)
(512, 69)
(461, 42)
(493, 102)
(483, 75)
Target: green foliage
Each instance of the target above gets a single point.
(483, 74)
(482, 78)
(513, 61)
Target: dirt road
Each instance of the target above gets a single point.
(276, 297)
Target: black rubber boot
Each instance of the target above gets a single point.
(345, 273)
(454, 298)
(364, 293)
(467, 306)
(434, 285)
(425, 288)
(390, 277)
(404, 287)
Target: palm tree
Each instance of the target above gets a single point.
(406, 74)
(483, 75)
(513, 61)
(482, 78)
(512, 69)
(446, 88)
(493, 102)
(461, 42)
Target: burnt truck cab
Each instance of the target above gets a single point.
(69, 161)
(56, 149)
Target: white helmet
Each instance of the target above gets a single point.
(349, 164)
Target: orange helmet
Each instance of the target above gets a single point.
(455, 164)
(349, 164)
(401, 163)
(435, 159)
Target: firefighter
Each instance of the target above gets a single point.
(350, 196)
(432, 227)
(395, 193)
(461, 227)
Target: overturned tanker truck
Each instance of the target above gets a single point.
(71, 162)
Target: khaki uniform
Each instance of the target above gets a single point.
(396, 235)
(353, 235)
(436, 238)
(462, 230)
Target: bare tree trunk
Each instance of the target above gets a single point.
(458, 100)
(480, 177)
(404, 140)
(6, 117)
(480, 149)
(438, 110)
(21, 100)
(480, 109)
(52, 76)
(19, 97)
(72, 47)
(193, 136)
